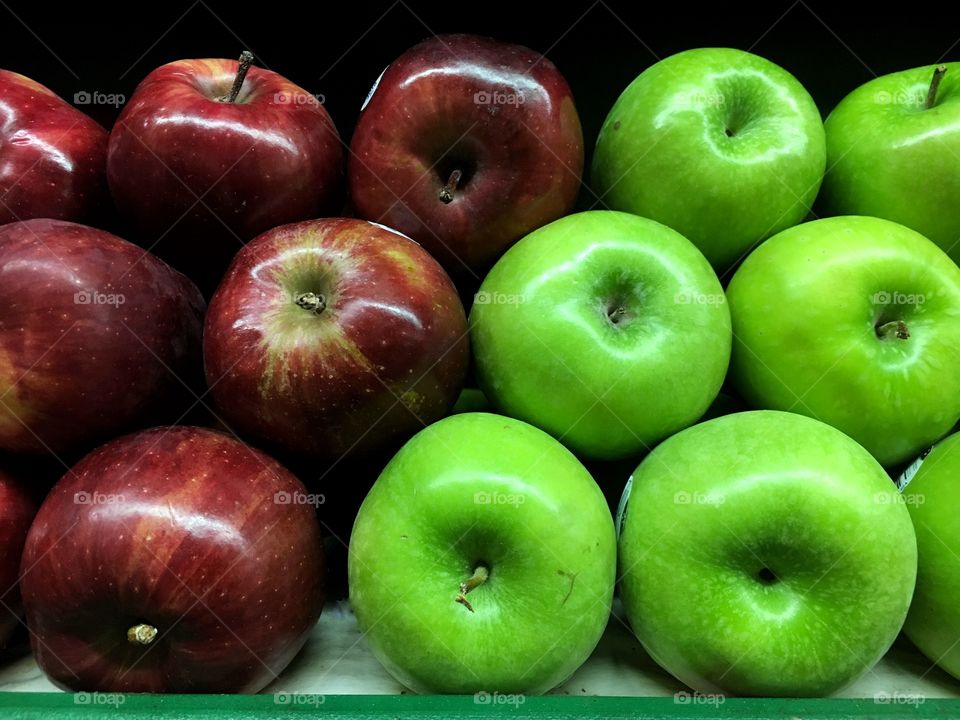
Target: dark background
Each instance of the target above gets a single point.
(339, 48)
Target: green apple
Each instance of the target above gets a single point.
(854, 321)
(483, 559)
(607, 330)
(893, 149)
(765, 553)
(932, 494)
(721, 145)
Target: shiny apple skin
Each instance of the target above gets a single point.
(16, 512)
(52, 156)
(387, 356)
(74, 373)
(273, 156)
(524, 160)
(193, 543)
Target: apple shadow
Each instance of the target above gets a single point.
(619, 666)
(905, 671)
(336, 660)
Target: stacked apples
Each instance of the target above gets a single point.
(764, 552)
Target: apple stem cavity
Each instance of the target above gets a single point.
(767, 576)
(893, 329)
(141, 634)
(615, 315)
(479, 577)
(246, 60)
(446, 192)
(313, 302)
(938, 74)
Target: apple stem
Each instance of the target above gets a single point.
(446, 192)
(893, 329)
(938, 74)
(141, 634)
(311, 301)
(479, 577)
(616, 314)
(246, 60)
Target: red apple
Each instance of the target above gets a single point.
(173, 560)
(209, 153)
(16, 512)
(94, 333)
(52, 156)
(467, 144)
(334, 336)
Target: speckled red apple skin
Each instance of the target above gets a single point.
(199, 177)
(182, 529)
(74, 373)
(521, 144)
(52, 156)
(387, 356)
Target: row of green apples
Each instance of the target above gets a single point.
(850, 319)
(728, 148)
(760, 553)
